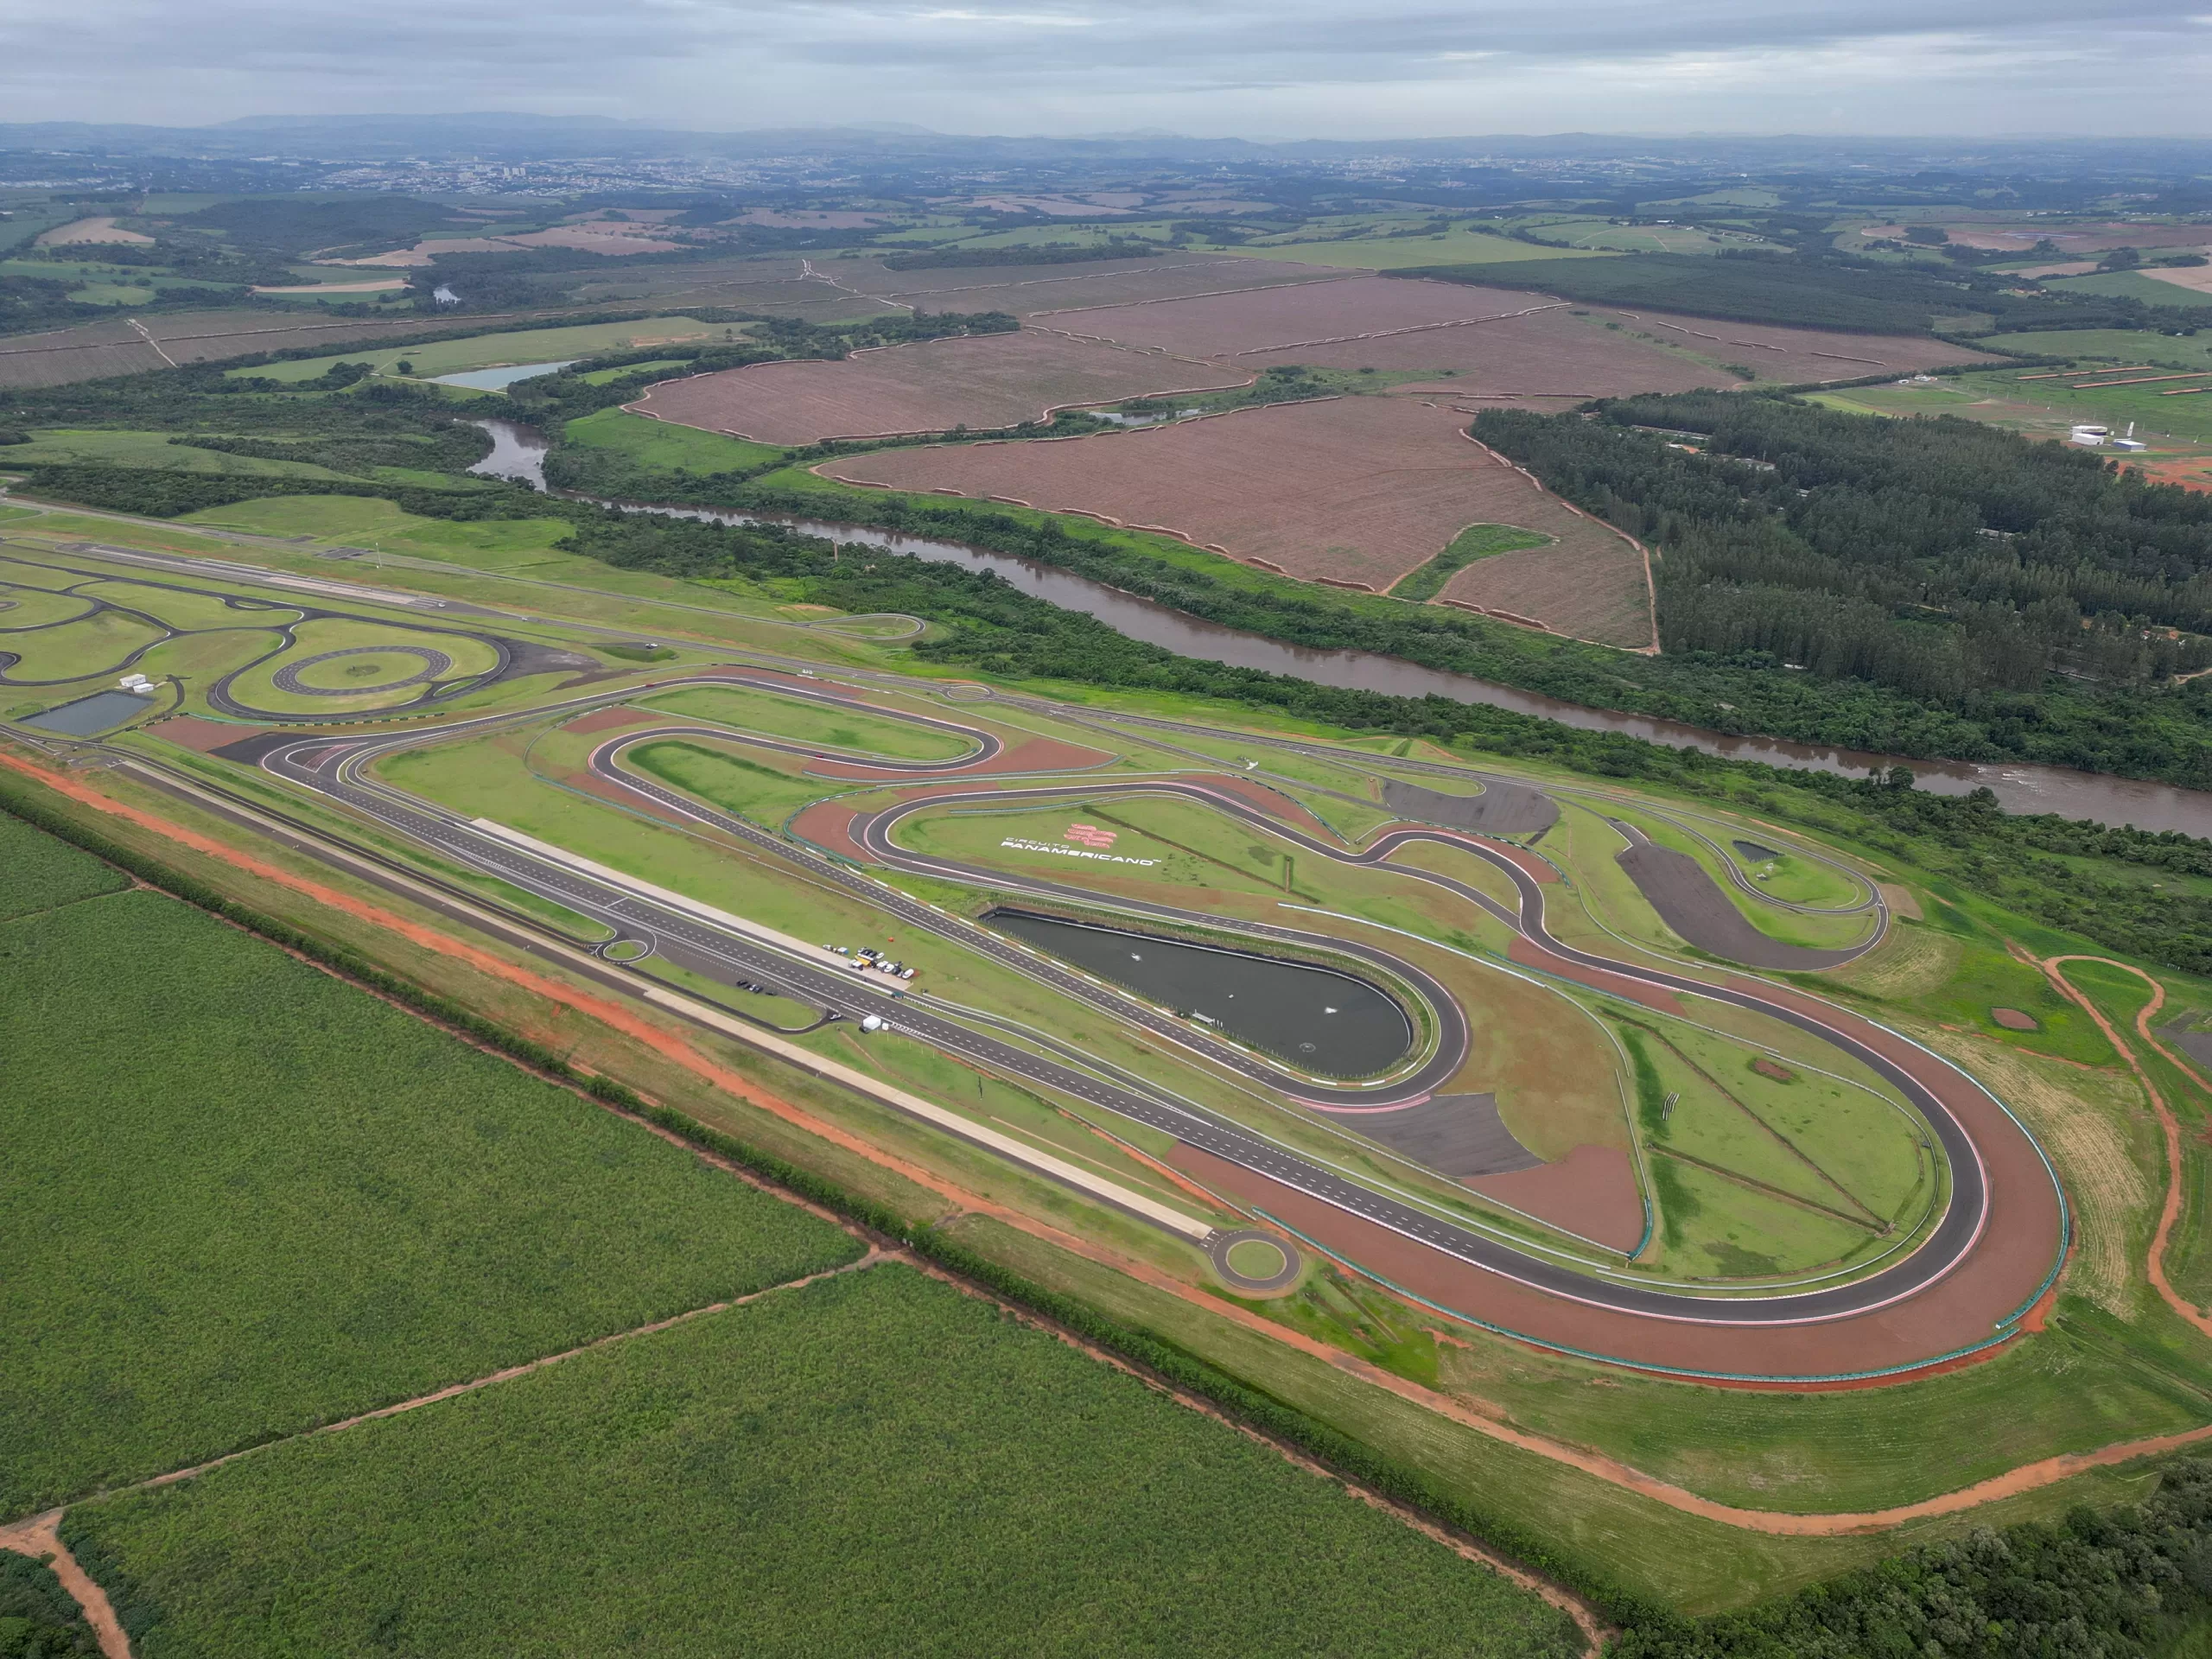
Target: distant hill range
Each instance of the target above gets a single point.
(519, 136)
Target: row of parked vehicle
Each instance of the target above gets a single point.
(866, 960)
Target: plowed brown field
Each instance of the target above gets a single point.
(1551, 353)
(984, 380)
(1356, 492)
(1296, 315)
(1026, 290)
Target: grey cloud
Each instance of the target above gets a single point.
(719, 62)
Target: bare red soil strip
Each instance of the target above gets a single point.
(40, 1538)
(2169, 1212)
(1359, 491)
(202, 736)
(1592, 1192)
(612, 720)
(986, 381)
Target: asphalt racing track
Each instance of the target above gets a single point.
(1963, 1288)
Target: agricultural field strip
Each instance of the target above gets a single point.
(1959, 1220)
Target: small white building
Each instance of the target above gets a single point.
(2090, 437)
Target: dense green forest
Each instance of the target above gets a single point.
(1819, 290)
(2115, 1586)
(1944, 557)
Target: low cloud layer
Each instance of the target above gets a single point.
(1273, 68)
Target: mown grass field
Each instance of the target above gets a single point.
(365, 521)
(663, 445)
(242, 1198)
(492, 351)
(52, 446)
(874, 1465)
(257, 687)
(72, 651)
(801, 720)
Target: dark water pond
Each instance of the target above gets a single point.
(520, 453)
(1317, 1020)
(89, 715)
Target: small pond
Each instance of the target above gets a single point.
(1318, 1019)
(89, 715)
(500, 379)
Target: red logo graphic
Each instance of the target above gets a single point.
(1090, 835)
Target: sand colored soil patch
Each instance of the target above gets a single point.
(2013, 1019)
(80, 231)
(984, 381)
(1356, 492)
(2197, 278)
(1592, 1192)
(382, 285)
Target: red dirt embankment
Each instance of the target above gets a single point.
(1359, 491)
(2170, 1212)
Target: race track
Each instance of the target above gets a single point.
(1962, 1288)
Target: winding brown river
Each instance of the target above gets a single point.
(519, 452)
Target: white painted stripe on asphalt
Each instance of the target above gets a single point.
(721, 918)
(1015, 1150)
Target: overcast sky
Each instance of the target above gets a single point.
(1257, 69)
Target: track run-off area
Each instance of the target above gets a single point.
(1961, 1283)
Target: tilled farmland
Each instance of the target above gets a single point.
(987, 381)
(1293, 315)
(1354, 493)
